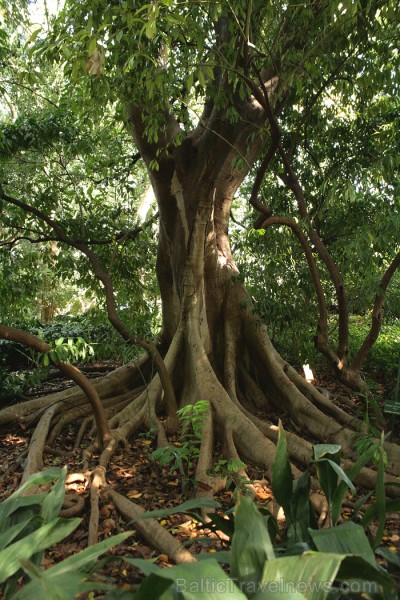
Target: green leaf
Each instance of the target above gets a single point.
(312, 573)
(371, 512)
(39, 540)
(65, 587)
(300, 513)
(380, 497)
(15, 501)
(341, 490)
(347, 538)
(251, 544)
(391, 558)
(151, 29)
(88, 556)
(7, 536)
(331, 451)
(155, 586)
(367, 581)
(204, 580)
(92, 47)
(189, 505)
(54, 499)
(325, 456)
(34, 35)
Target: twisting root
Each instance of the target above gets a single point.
(73, 505)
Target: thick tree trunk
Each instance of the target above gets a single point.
(215, 348)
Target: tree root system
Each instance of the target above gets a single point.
(247, 388)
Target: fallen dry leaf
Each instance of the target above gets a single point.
(134, 494)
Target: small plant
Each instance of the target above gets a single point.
(230, 470)
(183, 455)
(366, 438)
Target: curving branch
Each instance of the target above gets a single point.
(376, 321)
(120, 236)
(321, 339)
(291, 180)
(104, 277)
(27, 339)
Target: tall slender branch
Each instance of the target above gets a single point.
(376, 321)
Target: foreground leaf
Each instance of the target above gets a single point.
(204, 580)
(39, 540)
(348, 538)
(251, 544)
(182, 508)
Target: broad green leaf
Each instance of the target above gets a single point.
(156, 587)
(325, 456)
(203, 580)
(301, 511)
(366, 580)
(53, 500)
(223, 556)
(341, 490)
(87, 556)
(311, 574)
(380, 497)
(42, 538)
(331, 451)
(92, 47)
(392, 558)
(329, 473)
(371, 512)
(64, 587)
(15, 501)
(251, 544)
(347, 538)
(7, 536)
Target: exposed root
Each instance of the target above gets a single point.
(207, 484)
(243, 384)
(151, 530)
(81, 431)
(98, 481)
(73, 505)
(34, 462)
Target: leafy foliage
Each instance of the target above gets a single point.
(183, 455)
(29, 525)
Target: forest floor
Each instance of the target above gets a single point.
(135, 475)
